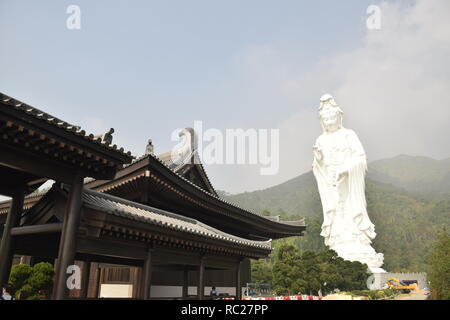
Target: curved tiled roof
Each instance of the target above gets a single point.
(75, 130)
(293, 223)
(33, 197)
(177, 167)
(136, 211)
(299, 223)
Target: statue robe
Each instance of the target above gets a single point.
(347, 198)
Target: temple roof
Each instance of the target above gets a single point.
(175, 181)
(112, 218)
(136, 211)
(58, 123)
(179, 189)
(36, 146)
(191, 169)
(133, 176)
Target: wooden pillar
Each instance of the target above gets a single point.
(6, 246)
(238, 282)
(136, 280)
(93, 280)
(148, 275)
(98, 281)
(201, 279)
(67, 246)
(85, 279)
(185, 291)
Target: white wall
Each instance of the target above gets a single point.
(116, 291)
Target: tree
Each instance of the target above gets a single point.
(330, 275)
(261, 271)
(20, 273)
(312, 240)
(309, 273)
(354, 275)
(286, 270)
(42, 277)
(439, 267)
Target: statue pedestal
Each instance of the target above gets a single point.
(377, 270)
(376, 280)
(354, 250)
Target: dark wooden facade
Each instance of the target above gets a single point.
(148, 223)
(35, 147)
(149, 180)
(119, 232)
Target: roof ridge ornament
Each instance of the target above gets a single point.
(185, 151)
(106, 138)
(149, 149)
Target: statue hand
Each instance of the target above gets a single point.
(318, 153)
(341, 174)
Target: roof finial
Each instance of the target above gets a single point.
(149, 147)
(107, 137)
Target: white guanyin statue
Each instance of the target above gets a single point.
(339, 167)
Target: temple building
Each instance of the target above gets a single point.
(146, 228)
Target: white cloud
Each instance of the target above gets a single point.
(394, 91)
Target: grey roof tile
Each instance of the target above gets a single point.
(137, 211)
(38, 114)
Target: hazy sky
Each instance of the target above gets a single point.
(149, 67)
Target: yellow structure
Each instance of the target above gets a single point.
(394, 283)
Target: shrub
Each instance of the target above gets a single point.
(35, 280)
(42, 277)
(359, 293)
(439, 264)
(380, 294)
(26, 288)
(19, 275)
(374, 294)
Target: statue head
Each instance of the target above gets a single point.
(330, 114)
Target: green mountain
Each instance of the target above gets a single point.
(421, 176)
(406, 206)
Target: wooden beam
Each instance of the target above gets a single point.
(37, 165)
(43, 228)
(109, 260)
(114, 248)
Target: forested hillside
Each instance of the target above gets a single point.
(407, 219)
(421, 176)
